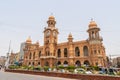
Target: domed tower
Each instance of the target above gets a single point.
(50, 40)
(97, 50)
(71, 49)
(93, 31)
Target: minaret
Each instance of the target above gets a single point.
(93, 31)
(96, 48)
(71, 49)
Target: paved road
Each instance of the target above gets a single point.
(17, 76)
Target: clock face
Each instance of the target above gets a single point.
(48, 33)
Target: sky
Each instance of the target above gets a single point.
(20, 19)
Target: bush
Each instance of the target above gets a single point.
(46, 68)
(118, 73)
(61, 67)
(13, 67)
(31, 68)
(96, 68)
(70, 67)
(83, 67)
(24, 67)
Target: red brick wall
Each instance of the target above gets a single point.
(66, 75)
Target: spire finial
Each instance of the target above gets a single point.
(51, 14)
(91, 19)
(29, 39)
(70, 35)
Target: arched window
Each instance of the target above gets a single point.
(86, 62)
(34, 55)
(59, 53)
(47, 51)
(38, 63)
(39, 53)
(30, 55)
(29, 63)
(33, 63)
(65, 52)
(93, 34)
(77, 52)
(59, 63)
(65, 63)
(85, 50)
(77, 63)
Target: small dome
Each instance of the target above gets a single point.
(92, 24)
(51, 18)
(70, 35)
(29, 40)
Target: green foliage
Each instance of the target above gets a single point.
(13, 67)
(24, 67)
(31, 68)
(46, 68)
(118, 73)
(82, 67)
(70, 67)
(61, 67)
(96, 68)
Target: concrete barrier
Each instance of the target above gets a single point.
(67, 75)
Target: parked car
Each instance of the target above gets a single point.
(88, 72)
(79, 70)
(111, 71)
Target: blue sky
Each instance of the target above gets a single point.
(22, 18)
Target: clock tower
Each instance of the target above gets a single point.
(50, 42)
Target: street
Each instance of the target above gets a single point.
(17, 76)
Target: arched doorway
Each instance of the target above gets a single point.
(65, 63)
(77, 63)
(59, 63)
(86, 63)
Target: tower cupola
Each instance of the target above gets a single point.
(29, 40)
(93, 31)
(70, 38)
(51, 21)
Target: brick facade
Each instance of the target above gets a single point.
(86, 52)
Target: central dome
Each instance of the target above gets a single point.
(92, 24)
(51, 18)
